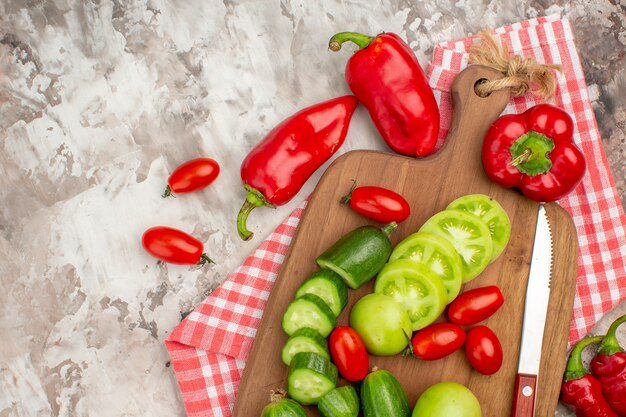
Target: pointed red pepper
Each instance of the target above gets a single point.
(580, 390)
(609, 367)
(387, 78)
(277, 168)
(534, 152)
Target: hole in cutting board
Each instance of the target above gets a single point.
(476, 84)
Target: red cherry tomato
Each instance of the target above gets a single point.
(377, 203)
(483, 350)
(475, 305)
(192, 176)
(437, 341)
(174, 246)
(349, 354)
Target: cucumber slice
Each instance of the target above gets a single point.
(309, 311)
(340, 402)
(328, 286)
(438, 254)
(311, 376)
(468, 234)
(490, 212)
(304, 340)
(359, 255)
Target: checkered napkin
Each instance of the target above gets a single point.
(210, 347)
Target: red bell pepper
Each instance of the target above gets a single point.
(609, 367)
(580, 390)
(277, 168)
(387, 78)
(534, 152)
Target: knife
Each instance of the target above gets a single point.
(535, 312)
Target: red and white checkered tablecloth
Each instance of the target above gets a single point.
(209, 348)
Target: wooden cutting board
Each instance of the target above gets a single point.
(429, 185)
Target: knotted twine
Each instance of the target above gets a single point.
(520, 74)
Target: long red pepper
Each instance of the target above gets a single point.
(580, 390)
(609, 366)
(277, 168)
(387, 78)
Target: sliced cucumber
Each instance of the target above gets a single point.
(340, 402)
(382, 395)
(311, 376)
(309, 311)
(328, 286)
(304, 340)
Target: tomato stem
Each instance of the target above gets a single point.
(346, 198)
(409, 349)
(204, 259)
(167, 192)
(254, 199)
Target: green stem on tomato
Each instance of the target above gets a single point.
(167, 192)
(346, 198)
(204, 259)
(254, 199)
(575, 368)
(610, 344)
(362, 41)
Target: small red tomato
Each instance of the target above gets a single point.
(377, 203)
(192, 176)
(483, 350)
(349, 354)
(437, 341)
(475, 305)
(174, 246)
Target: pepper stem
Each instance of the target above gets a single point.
(254, 199)
(522, 158)
(530, 153)
(167, 192)
(346, 198)
(362, 41)
(575, 368)
(610, 344)
(204, 259)
(389, 228)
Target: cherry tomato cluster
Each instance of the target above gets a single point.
(482, 346)
(172, 245)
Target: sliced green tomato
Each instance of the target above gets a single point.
(328, 286)
(438, 254)
(490, 212)
(468, 234)
(309, 311)
(304, 340)
(416, 287)
(311, 376)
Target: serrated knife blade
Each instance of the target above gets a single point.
(535, 313)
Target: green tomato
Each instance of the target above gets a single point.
(383, 324)
(447, 399)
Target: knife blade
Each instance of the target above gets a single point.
(535, 312)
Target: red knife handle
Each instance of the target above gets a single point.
(524, 396)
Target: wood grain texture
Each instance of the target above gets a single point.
(429, 185)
